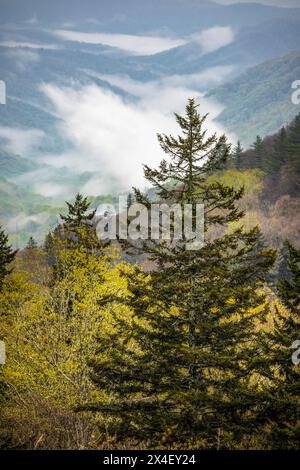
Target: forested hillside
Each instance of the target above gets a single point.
(270, 173)
(259, 101)
(278, 36)
(195, 353)
(13, 165)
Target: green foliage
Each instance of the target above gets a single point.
(77, 215)
(77, 227)
(250, 180)
(258, 153)
(250, 105)
(50, 324)
(195, 354)
(280, 404)
(130, 200)
(31, 244)
(237, 154)
(289, 289)
(278, 157)
(7, 255)
(186, 381)
(13, 165)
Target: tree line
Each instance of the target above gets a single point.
(194, 353)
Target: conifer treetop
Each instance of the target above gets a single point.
(78, 215)
(289, 289)
(31, 243)
(7, 255)
(193, 155)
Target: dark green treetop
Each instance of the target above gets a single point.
(78, 215)
(7, 255)
(187, 381)
(280, 409)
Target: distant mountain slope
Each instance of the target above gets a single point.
(24, 213)
(15, 199)
(250, 47)
(136, 17)
(259, 101)
(27, 105)
(13, 165)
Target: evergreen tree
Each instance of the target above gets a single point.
(48, 243)
(182, 376)
(7, 255)
(291, 169)
(278, 156)
(258, 144)
(237, 155)
(257, 158)
(130, 200)
(280, 412)
(78, 215)
(5, 432)
(293, 147)
(78, 226)
(283, 271)
(31, 244)
(289, 289)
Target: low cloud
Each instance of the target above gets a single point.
(209, 40)
(22, 219)
(29, 45)
(57, 181)
(22, 58)
(20, 141)
(214, 38)
(140, 45)
(49, 189)
(210, 77)
(112, 136)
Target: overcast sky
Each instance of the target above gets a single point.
(279, 3)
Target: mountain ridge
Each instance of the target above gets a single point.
(259, 101)
(133, 17)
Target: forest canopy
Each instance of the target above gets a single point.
(178, 349)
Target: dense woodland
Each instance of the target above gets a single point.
(192, 349)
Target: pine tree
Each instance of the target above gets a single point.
(237, 154)
(257, 158)
(49, 248)
(48, 242)
(7, 255)
(78, 227)
(130, 200)
(291, 169)
(293, 149)
(283, 271)
(279, 154)
(5, 431)
(31, 244)
(289, 289)
(78, 215)
(258, 144)
(280, 411)
(182, 377)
